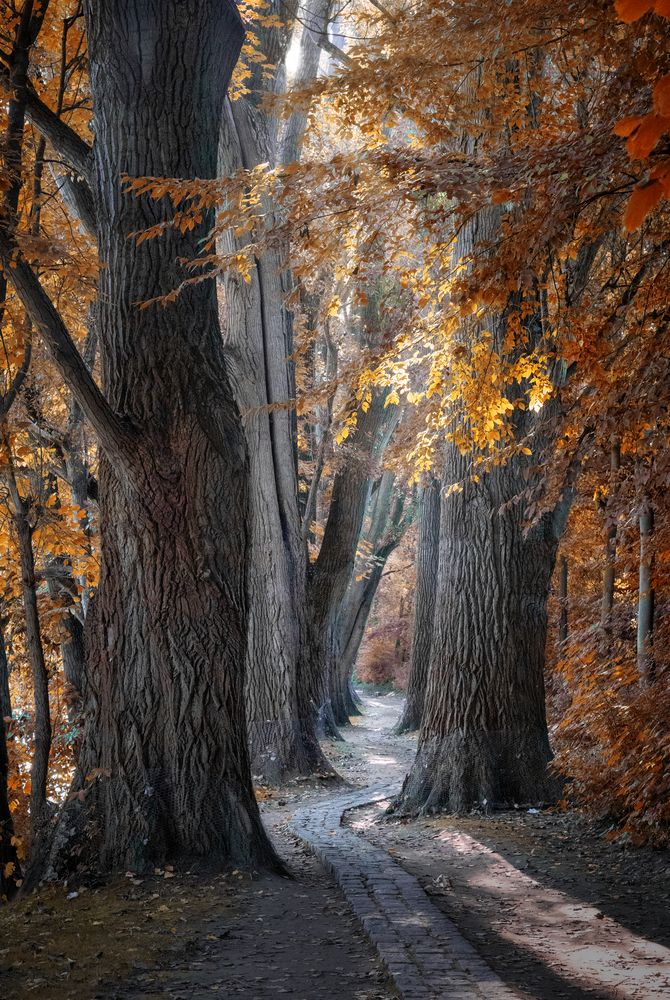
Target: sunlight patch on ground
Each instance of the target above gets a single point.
(574, 939)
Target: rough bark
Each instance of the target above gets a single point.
(645, 608)
(562, 602)
(5, 695)
(258, 337)
(484, 741)
(164, 766)
(427, 556)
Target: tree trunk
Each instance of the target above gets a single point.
(5, 695)
(164, 767)
(388, 519)
(427, 556)
(645, 609)
(609, 576)
(259, 343)
(330, 574)
(562, 603)
(10, 869)
(484, 741)
(39, 768)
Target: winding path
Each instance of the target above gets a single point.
(423, 951)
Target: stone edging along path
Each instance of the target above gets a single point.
(424, 953)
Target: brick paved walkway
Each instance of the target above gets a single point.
(422, 949)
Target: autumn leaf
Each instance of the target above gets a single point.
(631, 10)
(643, 199)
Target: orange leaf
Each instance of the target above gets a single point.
(631, 10)
(627, 125)
(662, 95)
(643, 140)
(641, 202)
(662, 8)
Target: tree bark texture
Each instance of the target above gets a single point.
(5, 695)
(258, 342)
(164, 766)
(483, 741)
(562, 602)
(645, 607)
(427, 557)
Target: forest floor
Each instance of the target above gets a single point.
(553, 908)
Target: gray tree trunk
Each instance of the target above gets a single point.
(427, 557)
(164, 767)
(645, 608)
(483, 740)
(5, 695)
(258, 338)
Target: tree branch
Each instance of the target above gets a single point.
(110, 428)
(74, 150)
(7, 400)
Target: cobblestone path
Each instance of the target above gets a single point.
(422, 949)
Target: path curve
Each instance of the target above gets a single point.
(423, 951)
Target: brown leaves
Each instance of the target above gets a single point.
(632, 10)
(641, 202)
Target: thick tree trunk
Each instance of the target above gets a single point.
(259, 342)
(427, 557)
(484, 741)
(164, 766)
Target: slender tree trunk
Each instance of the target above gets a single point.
(645, 610)
(427, 556)
(39, 768)
(484, 740)
(609, 576)
(164, 767)
(5, 695)
(388, 520)
(562, 602)
(10, 869)
(331, 572)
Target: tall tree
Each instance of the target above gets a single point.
(164, 767)
(427, 551)
(258, 332)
